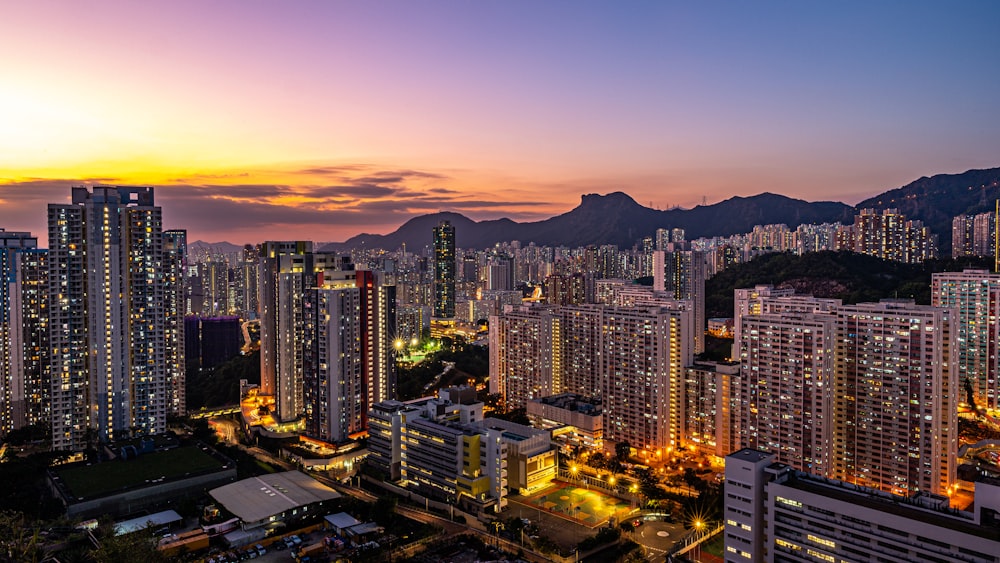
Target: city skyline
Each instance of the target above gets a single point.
(325, 120)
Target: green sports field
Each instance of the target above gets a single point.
(98, 479)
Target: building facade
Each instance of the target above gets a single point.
(974, 295)
(775, 513)
(24, 348)
(895, 405)
(108, 316)
(444, 271)
(349, 359)
(786, 392)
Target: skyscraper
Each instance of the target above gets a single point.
(287, 270)
(349, 364)
(975, 297)
(786, 393)
(444, 271)
(862, 393)
(107, 307)
(24, 386)
(175, 267)
(682, 274)
(895, 397)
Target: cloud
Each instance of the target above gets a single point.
(348, 199)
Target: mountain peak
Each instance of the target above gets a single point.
(613, 197)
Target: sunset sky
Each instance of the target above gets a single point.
(322, 119)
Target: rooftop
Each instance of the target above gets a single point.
(257, 498)
(142, 522)
(749, 454)
(913, 507)
(341, 520)
(99, 479)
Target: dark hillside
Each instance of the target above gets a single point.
(852, 277)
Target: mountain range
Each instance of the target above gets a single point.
(617, 219)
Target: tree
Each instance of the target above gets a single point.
(137, 546)
(970, 396)
(598, 461)
(18, 538)
(622, 451)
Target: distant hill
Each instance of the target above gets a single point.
(852, 277)
(938, 199)
(617, 219)
(214, 247)
(614, 218)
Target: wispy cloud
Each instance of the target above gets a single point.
(321, 203)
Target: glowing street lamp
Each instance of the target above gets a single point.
(698, 525)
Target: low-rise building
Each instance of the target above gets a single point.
(573, 420)
(442, 448)
(776, 513)
(532, 459)
(278, 497)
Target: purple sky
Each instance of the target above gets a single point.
(323, 119)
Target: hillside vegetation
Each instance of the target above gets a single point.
(855, 278)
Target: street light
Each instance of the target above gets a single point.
(698, 525)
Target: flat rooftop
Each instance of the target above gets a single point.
(749, 454)
(257, 498)
(948, 518)
(99, 479)
(159, 519)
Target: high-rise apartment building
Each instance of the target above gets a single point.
(682, 274)
(984, 234)
(711, 407)
(863, 393)
(215, 288)
(786, 394)
(576, 364)
(24, 384)
(974, 295)
(500, 272)
(643, 353)
(568, 289)
(888, 235)
(349, 363)
(247, 297)
(444, 271)
(107, 310)
(896, 398)
(521, 354)
(287, 270)
(175, 265)
(961, 236)
(973, 235)
(631, 357)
